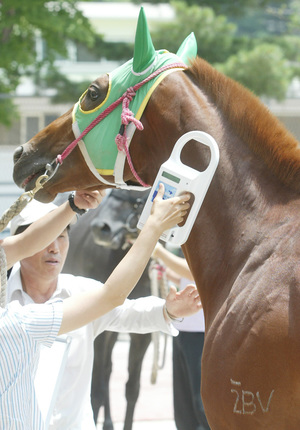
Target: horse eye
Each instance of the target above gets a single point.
(93, 93)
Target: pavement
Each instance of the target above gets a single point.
(154, 408)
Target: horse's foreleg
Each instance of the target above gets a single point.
(103, 347)
(107, 424)
(138, 347)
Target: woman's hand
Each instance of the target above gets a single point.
(170, 212)
(88, 199)
(183, 303)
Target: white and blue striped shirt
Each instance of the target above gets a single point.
(22, 331)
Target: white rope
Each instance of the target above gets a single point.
(7, 216)
(3, 278)
(14, 210)
(158, 288)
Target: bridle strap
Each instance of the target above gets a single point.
(126, 116)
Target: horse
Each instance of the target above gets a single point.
(98, 242)
(244, 247)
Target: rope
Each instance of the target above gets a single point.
(14, 210)
(153, 274)
(3, 278)
(158, 280)
(127, 116)
(8, 215)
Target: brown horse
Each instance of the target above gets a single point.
(244, 248)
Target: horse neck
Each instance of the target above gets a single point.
(255, 188)
(245, 117)
(237, 225)
(252, 190)
(245, 214)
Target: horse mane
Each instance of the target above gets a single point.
(252, 121)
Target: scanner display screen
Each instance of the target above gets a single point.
(171, 177)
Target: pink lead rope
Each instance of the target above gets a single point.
(127, 116)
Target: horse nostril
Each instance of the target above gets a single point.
(17, 154)
(100, 228)
(106, 228)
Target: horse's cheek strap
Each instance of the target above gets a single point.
(121, 159)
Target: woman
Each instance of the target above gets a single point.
(24, 329)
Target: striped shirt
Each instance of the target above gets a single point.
(22, 331)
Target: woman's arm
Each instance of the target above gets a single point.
(80, 310)
(172, 261)
(46, 229)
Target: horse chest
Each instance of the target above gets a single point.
(253, 334)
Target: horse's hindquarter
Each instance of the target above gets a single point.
(251, 371)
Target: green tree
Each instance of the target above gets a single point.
(54, 24)
(226, 7)
(264, 70)
(214, 34)
(293, 41)
(263, 62)
(21, 23)
(272, 58)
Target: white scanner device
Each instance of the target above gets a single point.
(178, 178)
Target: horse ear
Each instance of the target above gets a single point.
(144, 52)
(188, 49)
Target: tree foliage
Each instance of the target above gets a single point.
(225, 7)
(214, 33)
(21, 23)
(263, 69)
(263, 62)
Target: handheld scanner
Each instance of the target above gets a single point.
(178, 178)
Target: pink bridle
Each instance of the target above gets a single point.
(127, 116)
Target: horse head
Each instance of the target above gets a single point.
(116, 223)
(103, 125)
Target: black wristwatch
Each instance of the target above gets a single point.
(73, 206)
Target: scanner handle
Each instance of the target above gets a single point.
(202, 137)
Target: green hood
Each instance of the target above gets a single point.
(100, 141)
